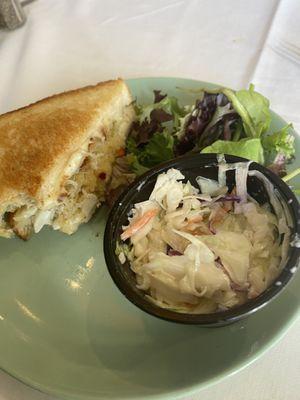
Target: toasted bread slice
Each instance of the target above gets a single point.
(56, 156)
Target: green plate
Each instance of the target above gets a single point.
(66, 329)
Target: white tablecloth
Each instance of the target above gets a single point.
(66, 44)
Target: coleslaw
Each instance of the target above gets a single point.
(205, 249)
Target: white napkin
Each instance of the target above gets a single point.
(67, 44)
(277, 74)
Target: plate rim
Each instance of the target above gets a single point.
(173, 394)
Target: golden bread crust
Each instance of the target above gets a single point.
(38, 139)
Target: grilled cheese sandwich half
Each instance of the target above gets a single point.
(56, 157)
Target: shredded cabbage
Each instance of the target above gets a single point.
(202, 253)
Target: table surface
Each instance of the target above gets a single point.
(65, 45)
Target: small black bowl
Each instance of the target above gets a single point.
(192, 166)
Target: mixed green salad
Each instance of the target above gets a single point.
(220, 121)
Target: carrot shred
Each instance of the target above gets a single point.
(139, 224)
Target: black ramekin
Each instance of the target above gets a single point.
(192, 166)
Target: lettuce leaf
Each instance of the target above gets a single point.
(211, 118)
(248, 148)
(163, 114)
(280, 142)
(168, 104)
(151, 140)
(253, 108)
(219, 126)
(135, 166)
(157, 150)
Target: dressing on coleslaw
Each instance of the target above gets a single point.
(202, 250)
